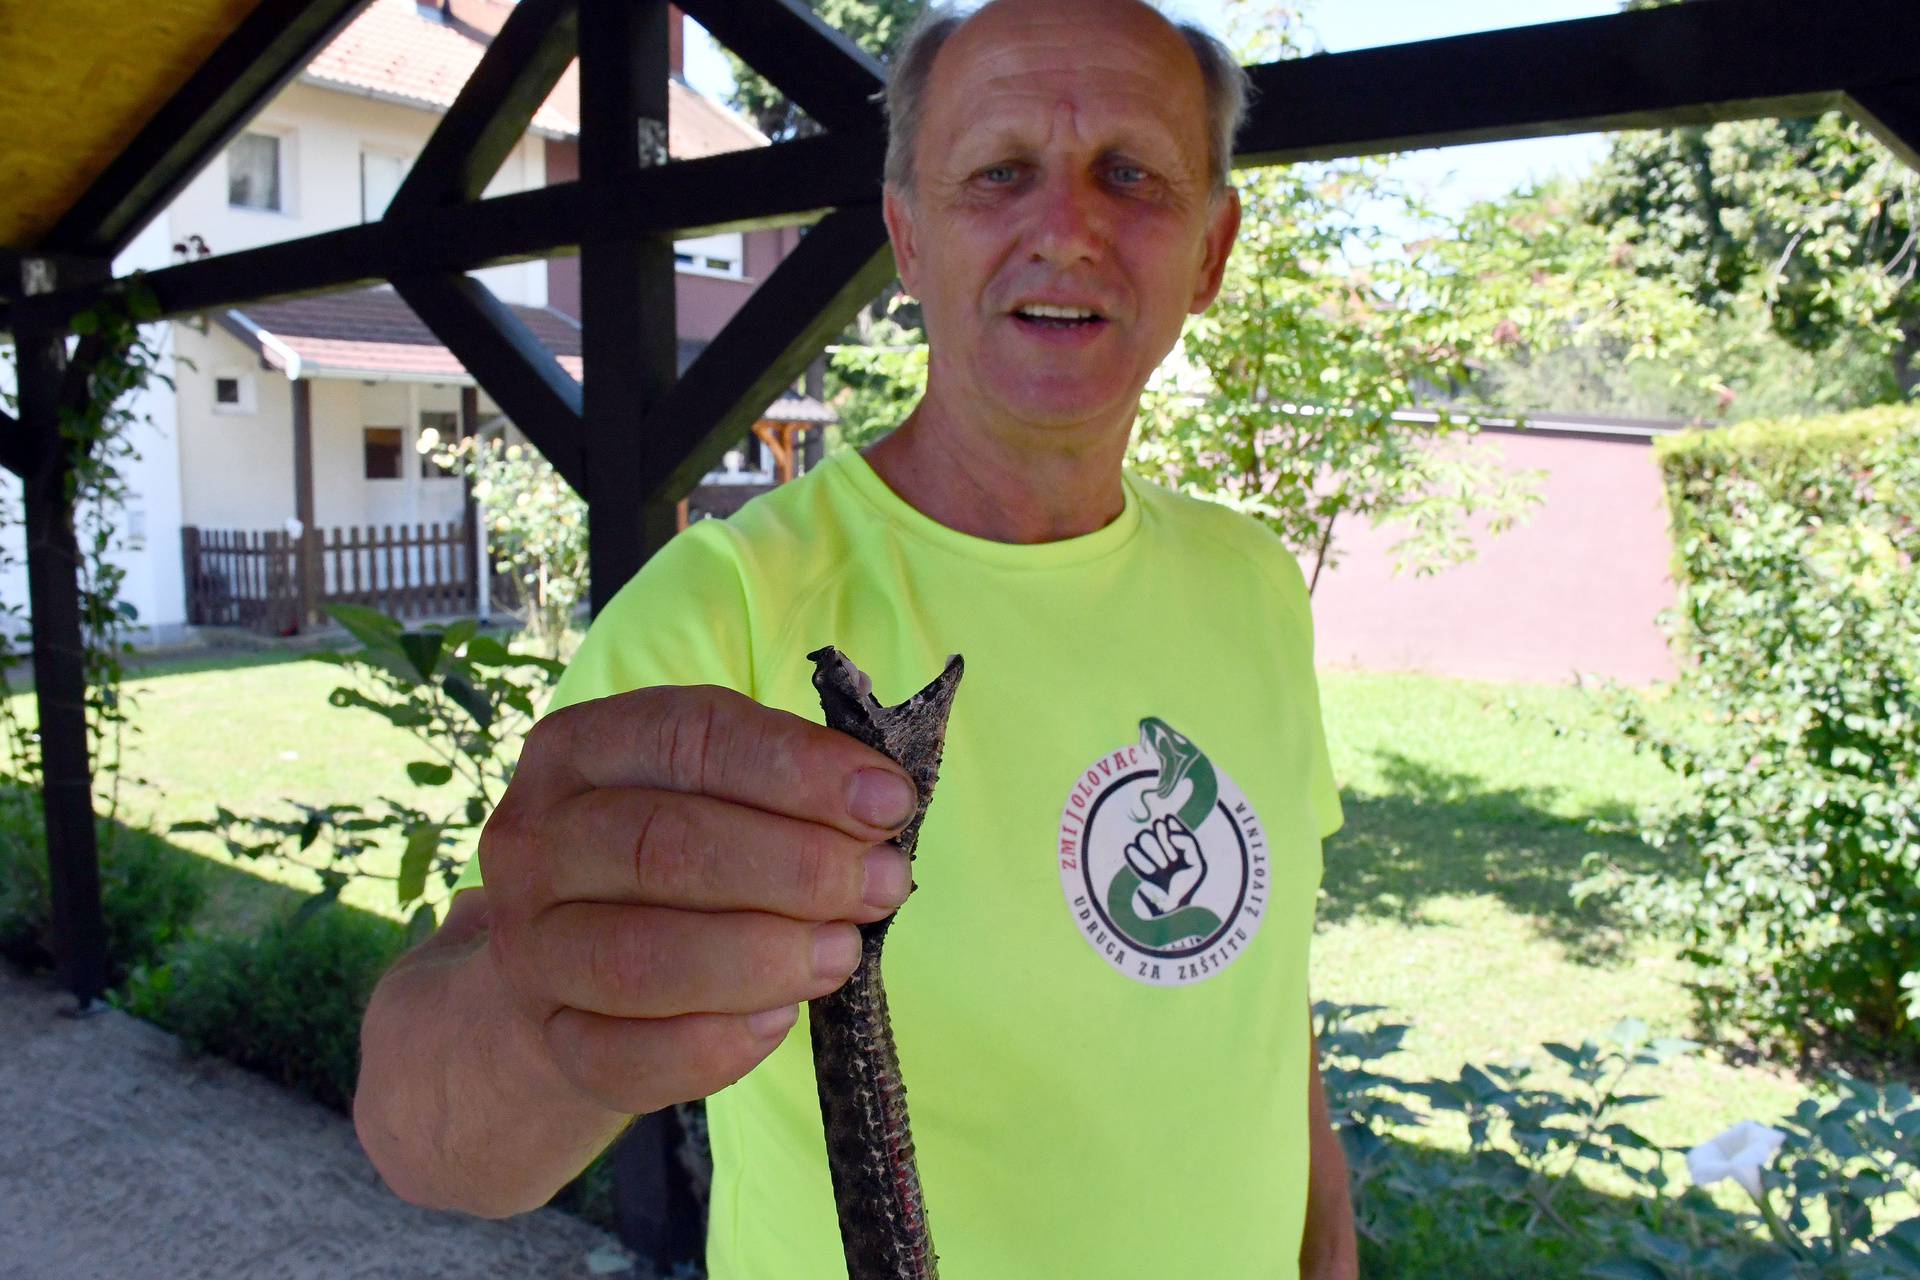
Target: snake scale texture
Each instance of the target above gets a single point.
(863, 1102)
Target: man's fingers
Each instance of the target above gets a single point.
(654, 962)
(639, 845)
(715, 742)
(642, 1064)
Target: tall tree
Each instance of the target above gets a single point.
(1813, 219)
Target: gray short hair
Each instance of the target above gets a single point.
(1227, 88)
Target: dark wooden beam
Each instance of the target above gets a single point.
(59, 672)
(626, 285)
(829, 76)
(743, 190)
(264, 52)
(24, 274)
(15, 455)
(495, 106)
(505, 357)
(628, 329)
(1655, 68)
(836, 269)
(1891, 112)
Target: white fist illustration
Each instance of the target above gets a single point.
(1167, 858)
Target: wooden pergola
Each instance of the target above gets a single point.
(632, 437)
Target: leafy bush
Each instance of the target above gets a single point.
(536, 527)
(286, 1003)
(469, 700)
(149, 892)
(1511, 1194)
(1512, 1206)
(1799, 623)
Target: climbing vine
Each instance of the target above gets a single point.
(118, 358)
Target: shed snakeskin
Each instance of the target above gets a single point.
(863, 1102)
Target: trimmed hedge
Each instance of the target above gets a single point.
(1796, 550)
(150, 891)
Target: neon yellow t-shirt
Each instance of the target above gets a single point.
(1099, 989)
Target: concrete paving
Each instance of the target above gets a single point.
(123, 1156)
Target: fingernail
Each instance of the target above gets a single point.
(772, 1022)
(889, 877)
(836, 949)
(881, 798)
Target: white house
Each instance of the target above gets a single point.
(307, 411)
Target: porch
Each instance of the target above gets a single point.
(362, 516)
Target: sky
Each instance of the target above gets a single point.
(1451, 177)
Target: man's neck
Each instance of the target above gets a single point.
(1026, 489)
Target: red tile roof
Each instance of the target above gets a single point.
(371, 333)
(394, 50)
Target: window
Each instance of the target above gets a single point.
(254, 173)
(383, 453)
(380, 177)
(232, 392)
(447, 424)
(721, 255)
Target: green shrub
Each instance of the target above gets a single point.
(1829, 1207)
(149, 892)
(1799, 629)
(286, 1003)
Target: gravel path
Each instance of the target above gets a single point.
(123, 1156)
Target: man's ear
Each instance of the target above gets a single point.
(898, 212)
(1223, 226)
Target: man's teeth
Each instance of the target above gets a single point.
(1041, 311)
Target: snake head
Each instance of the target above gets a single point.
(1174, 750)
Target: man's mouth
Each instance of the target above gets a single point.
(1050, 316)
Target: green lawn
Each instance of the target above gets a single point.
(1445, 896)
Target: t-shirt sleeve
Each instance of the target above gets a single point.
(1326, 792)
(681, 620)
(1323, 790)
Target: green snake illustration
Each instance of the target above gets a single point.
(1179, 759)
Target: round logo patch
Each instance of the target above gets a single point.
(1163, 860)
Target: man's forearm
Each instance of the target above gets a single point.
(458, 1105)
(1329, 1249)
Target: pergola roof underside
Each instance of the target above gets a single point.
(77, 81)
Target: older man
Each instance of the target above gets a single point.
(1100, 991)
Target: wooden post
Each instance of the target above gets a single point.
(466, 556)
(627, 317)
(630, 352)
(303, 502)
(59, 674)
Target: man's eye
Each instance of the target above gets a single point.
(1127, 175)
(998, 174)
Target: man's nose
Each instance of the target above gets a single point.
(1070, 222)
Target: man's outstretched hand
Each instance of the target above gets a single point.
(672, 870)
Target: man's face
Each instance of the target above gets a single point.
(1063, 220)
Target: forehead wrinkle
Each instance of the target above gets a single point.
(1009, 105)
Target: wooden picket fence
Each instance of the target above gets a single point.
(252, 577)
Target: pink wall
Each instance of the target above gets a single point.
(1574, 590)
